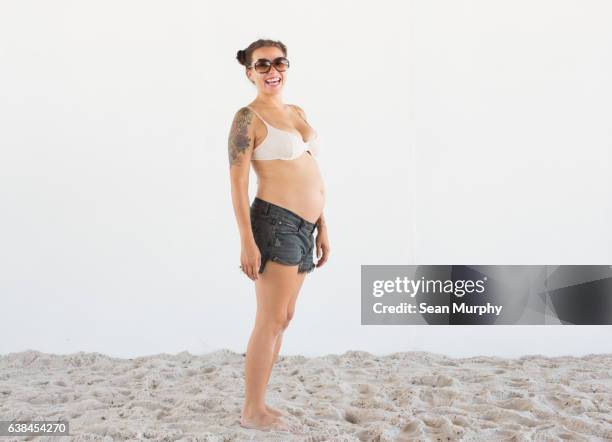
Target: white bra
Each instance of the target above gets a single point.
(282, 145)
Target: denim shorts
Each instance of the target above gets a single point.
(282, 236)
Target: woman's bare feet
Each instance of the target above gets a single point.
(265, 422)
(274, 411)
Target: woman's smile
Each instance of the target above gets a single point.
(273, 82)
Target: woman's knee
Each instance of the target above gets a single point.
(281, 326)
(274, 326)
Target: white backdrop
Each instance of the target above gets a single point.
(453, 132)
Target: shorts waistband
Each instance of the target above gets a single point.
(266, 207)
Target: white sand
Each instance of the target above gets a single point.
(354, 396)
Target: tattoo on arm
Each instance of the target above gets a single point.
(239, 140)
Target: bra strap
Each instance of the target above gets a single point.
(255, 112)
(300, 115)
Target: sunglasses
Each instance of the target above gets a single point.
(263, 65)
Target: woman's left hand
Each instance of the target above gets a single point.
(322, 243)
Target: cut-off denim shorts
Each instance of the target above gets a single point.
(282, 236)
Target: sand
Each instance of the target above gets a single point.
(356, 396)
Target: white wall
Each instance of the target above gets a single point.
(471, 132)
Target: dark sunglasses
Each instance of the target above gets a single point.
(263, 65)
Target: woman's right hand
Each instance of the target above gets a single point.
(250, 259)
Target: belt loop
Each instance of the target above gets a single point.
(267, 209)
(301, 224)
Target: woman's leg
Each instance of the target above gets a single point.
(299, 280)
(274, 289)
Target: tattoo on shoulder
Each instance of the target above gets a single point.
(239, 139)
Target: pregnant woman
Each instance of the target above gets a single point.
(277, 229)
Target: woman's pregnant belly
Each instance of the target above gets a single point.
(296, 185)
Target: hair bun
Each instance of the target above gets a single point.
(241, 56)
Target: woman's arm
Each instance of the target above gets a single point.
(321, 222)
(322, 241)
(240, 148)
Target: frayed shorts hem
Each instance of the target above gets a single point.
(301, 268)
